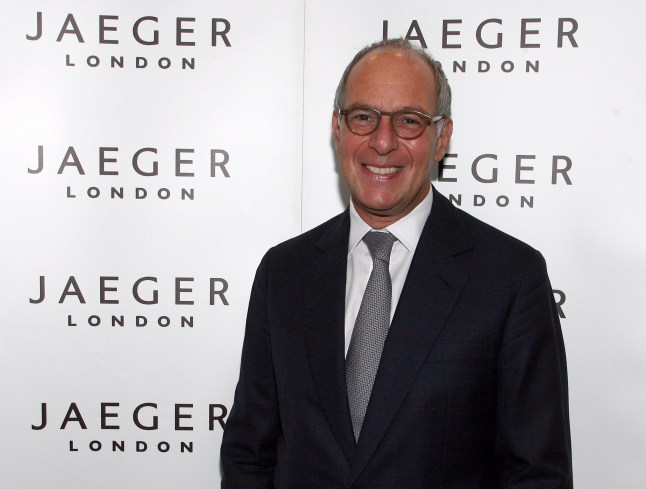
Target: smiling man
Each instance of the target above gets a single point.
(403, 343)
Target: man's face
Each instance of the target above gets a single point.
(388, 176)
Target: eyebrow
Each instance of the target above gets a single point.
(397, 109)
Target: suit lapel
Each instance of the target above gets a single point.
(324, 306)
(432, 287)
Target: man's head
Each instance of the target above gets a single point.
(389, 174)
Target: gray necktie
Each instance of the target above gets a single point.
(370, 329)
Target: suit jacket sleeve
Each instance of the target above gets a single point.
(250, 437)
(533, 433)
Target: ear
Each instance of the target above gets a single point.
(336, 127)
(442, 144)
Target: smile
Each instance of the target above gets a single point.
(383, 171)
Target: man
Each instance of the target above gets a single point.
(464, 387)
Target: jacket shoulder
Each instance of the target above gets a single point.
(486, 241)
(305, 247)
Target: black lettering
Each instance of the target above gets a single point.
(520, 168)
(41, 162)
(103, 160)
(446, 33)
(39, 28)
(220, 292)
(527, 202)
(72, 288)
(494, 171)
(73, 414)
(219, 164)
(443, 165)
(103, 28)
(414, 27)
(219, 417)
(135, 291)
(73, 30)
(105, 415)
(179, 162)
(178, 416)
(43, 417)
(217, 33)
(559, 298)
(137, 168)
(507, 66)
(135, 32)
(502, 201)
(135, 417)
(103, 289)
(498, 42)
(41, 294)
(574, 26)
(71, 159)
(181, 30)
(524, 32)
(179, 290)
(93, 61)
(563, 171)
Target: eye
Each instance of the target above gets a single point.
(362, 116)
(409, 120)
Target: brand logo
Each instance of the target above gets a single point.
(486, 36)
(147, 164)
(100, 423)
(143, 292)
(519, 173)
(146, 33)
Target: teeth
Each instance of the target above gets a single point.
(382, 171)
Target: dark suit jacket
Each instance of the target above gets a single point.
(471, 391)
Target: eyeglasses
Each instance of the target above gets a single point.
(406, 124)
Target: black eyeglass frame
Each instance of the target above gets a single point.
(429, 119)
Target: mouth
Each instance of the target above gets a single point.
(388, 170)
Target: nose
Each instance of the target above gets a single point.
(384, 140)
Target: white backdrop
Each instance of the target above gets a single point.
(237, 119)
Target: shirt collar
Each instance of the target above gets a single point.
(407, 230)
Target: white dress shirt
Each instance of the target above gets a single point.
(407, 230)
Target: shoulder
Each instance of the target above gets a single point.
(490, 247)
(305, 248)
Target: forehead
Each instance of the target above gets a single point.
(392, 79)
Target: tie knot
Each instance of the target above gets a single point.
(379, 244)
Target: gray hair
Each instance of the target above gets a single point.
(443, 95)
